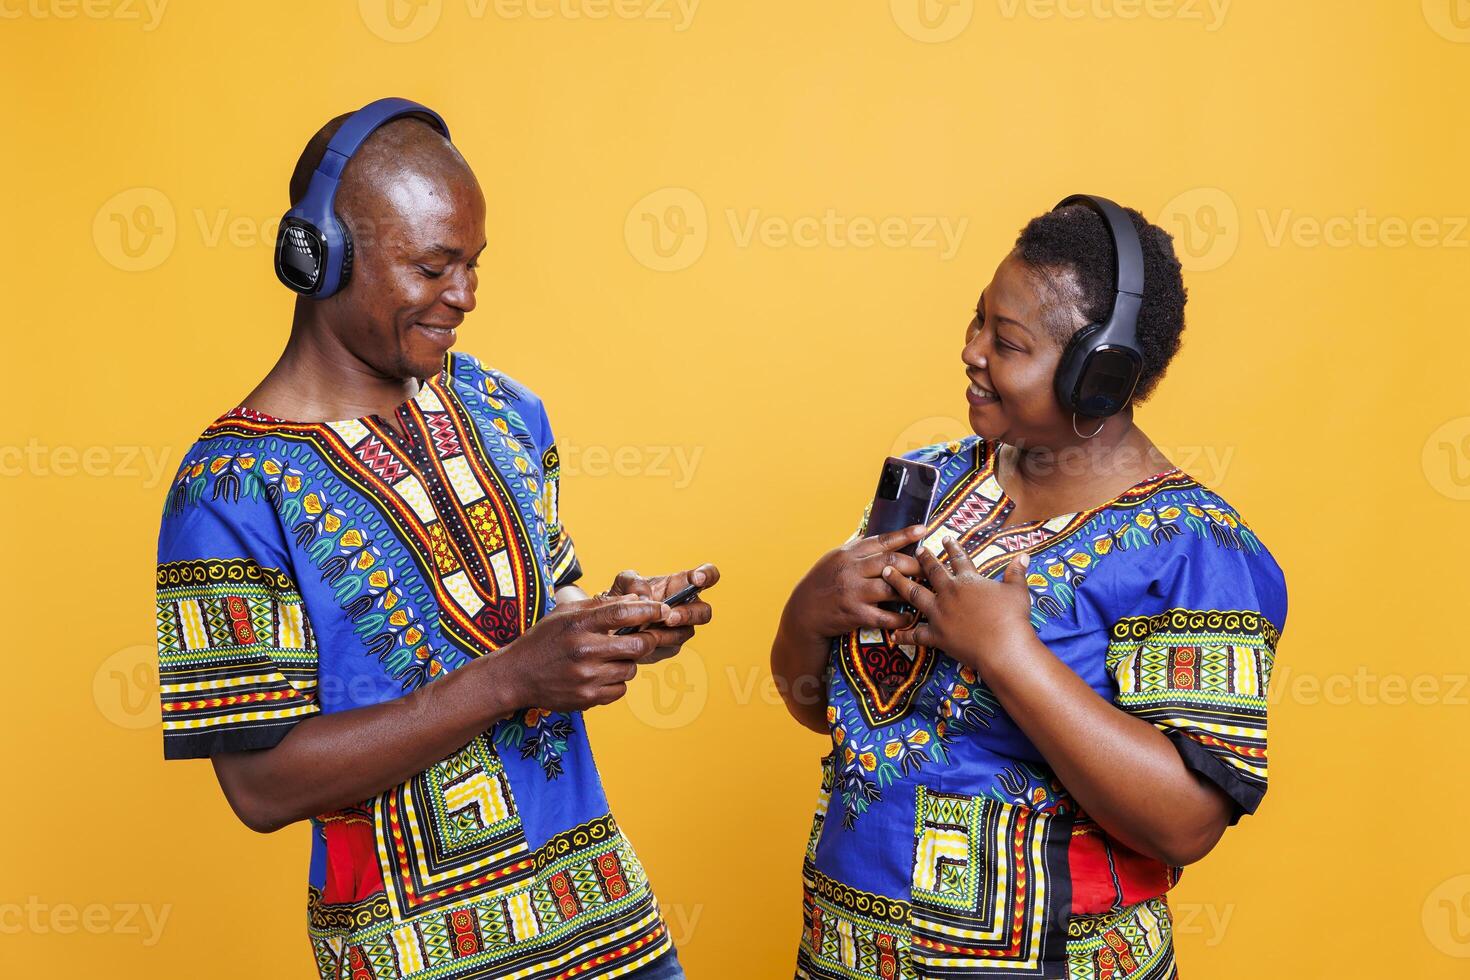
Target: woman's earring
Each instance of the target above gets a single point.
(1080, 435)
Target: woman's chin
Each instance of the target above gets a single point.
(985, 422)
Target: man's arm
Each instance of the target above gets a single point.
(568, 661)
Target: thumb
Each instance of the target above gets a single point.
(1015, 573)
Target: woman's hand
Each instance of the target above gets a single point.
(970, 617)
(842, 590)
(671, 634)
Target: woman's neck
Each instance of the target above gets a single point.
(1045, 481)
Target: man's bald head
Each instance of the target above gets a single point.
(406, 148)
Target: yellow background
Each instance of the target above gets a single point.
(1321, 389)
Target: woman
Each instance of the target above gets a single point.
(1078, 707)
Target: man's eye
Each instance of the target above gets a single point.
(431, 273)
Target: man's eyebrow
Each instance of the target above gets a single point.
(444, 250)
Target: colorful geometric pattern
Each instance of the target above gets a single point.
(235, 654)
(1135, 943)
(580, 907)
(990, 890)
(1201, 677)
(849, 934)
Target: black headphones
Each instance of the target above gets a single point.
(1101, 363)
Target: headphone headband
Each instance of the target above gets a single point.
(313, 247)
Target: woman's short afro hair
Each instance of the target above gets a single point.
(1072, 254)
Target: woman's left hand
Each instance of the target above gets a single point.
(970, 617)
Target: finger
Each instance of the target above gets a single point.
(609, 693)
(894, 540)
(629, 582)
(932, 568)
(873, 565)
(691, 614)
(670, 637)
(1015, 573)
(611, 647)
(958, 560)
(608, 616)
(706, 576)
(921, 635)
(910, 591)
(886, 619)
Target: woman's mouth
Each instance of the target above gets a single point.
(979, 395)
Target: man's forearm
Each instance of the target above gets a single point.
(331, 761)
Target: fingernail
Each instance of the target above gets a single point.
(887, 570)
(697, 578)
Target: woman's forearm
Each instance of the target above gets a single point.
(799, 667)
(1122, 771)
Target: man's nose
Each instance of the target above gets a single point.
(461, 293)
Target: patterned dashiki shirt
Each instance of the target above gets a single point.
(943, 845)
(312, 568)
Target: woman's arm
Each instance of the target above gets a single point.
(1122, 771)
(840, 594)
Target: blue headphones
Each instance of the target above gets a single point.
(313, 246)
(1101, 363)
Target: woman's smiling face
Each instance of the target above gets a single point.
(1011, 356)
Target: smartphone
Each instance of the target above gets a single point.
(684, 595)
(905, 497)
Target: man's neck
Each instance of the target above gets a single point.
(316, 379)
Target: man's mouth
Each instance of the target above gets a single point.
(442, 335)
(978, 394)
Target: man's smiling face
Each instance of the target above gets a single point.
(417, 218)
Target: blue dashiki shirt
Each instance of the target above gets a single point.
(312, 568)
(943, 844)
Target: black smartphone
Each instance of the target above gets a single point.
(905, 497)
(677, 599)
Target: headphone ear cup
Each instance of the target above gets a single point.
(347, 251)
(1069, 368)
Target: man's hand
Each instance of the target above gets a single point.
(570, 660)
(676, 628)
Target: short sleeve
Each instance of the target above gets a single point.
(1199, 667)
(561, 553)
(237, 656)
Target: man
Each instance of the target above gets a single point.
(367, 615)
